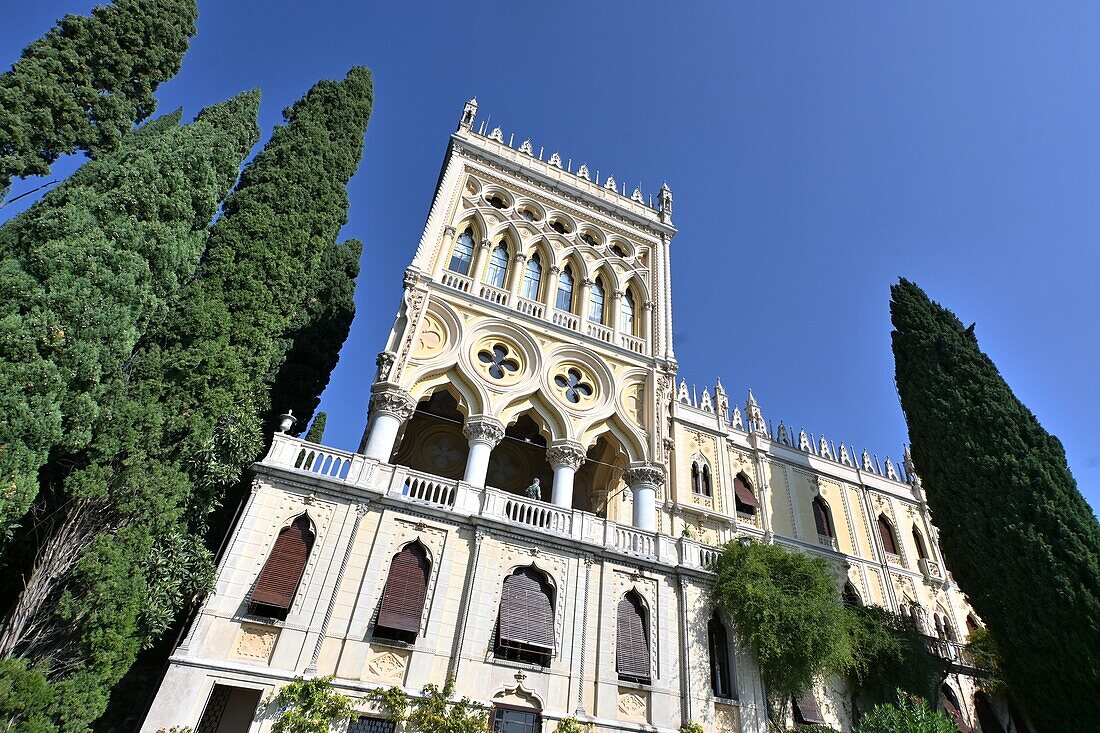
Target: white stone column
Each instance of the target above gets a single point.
(582, 307)
(644, 481)
(565, 457)
(550, 297)
(519, 265)
(483, 433)
(390, 407)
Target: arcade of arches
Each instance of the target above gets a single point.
(439, 439)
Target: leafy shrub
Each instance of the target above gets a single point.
(889, 654)
(911, 714)
(433, 712)
(570, 725)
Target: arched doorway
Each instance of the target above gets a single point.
(433, 441)
(521, 457)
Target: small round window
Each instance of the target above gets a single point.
(559, 226)
(497, 361)
(497, 202)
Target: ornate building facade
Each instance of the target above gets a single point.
(535, 503)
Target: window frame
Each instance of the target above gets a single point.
(826, 519)
(597, 288)
(566, 273)
(496, 272)
(467, 233)
(525, 290)
(536, 723)
(269, 606)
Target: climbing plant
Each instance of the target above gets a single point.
(309, 706)
(788, 608)
(910, 714)
(434, 711)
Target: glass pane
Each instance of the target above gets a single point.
(462, 255)
(498, 265)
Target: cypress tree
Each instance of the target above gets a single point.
(317, 428)
(323, 325)
(83, 84)
(1021, 540)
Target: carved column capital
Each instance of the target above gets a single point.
(484, 244)
(618, 294)
(449, 230)
(483, 429)
(389, 399)
(384, 362)
(565, 454)
(649, 474)
(554, 269)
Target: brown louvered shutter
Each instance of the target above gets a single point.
(744, 493)
(887, 535)
(632, 640)
(806, 710)
(281, 574)
(526, 611)
(406, 589)
(821, 518)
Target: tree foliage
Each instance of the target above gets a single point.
(316, 431)
(787, 607)
(83, 84)
(309, 706)
(1021, 540)
(98, 262)
(910, 714)
(434, 711)
(889, 654)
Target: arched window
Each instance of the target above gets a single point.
(987, 718)
(720, 681)
(950, 704)
(595, 302)
(744, 500)
(565, 290)
(463, 253)
(886, 532)
(404, 594)
(823, 518)
(277, 583)
(498, 266)
(626, 314)
(700, 479)
(918, 540)
(632, 640)
(532, 277)
(525, 624)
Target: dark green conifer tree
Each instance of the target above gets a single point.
(1021, 540)
(83, 84)
(90, 268)
(324, 320)
(317, 428)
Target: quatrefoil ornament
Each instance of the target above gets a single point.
(497, 362)
(574, 385)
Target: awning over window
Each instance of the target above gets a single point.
(806, 710)
(744, 493)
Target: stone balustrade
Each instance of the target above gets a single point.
(353, 473)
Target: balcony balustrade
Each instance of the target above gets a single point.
(352, 473)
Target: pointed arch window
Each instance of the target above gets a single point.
(596, 299)
(626, 314)
(278, 581)
(404, 594)
(498, 266)
(565, 290)
(532, 277)
(632, 640)
(463, 253)
(918, 540)
(700, 479)
(886, 532)
(718, 644)
(744, 500)
(525, 624)
(823, 518)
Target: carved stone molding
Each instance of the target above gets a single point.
(486, 430)
(565, 454)
(392, 400)
(651, 475)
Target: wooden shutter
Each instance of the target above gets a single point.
(806, 710)
(744, 493)
(887, 535)
(406, 589)
(720, 681)
(279, 579)
(526, 611)
(632, 640)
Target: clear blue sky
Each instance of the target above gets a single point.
(817, 151)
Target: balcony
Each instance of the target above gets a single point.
(354, 474)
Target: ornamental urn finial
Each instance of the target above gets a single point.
(287, 421)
